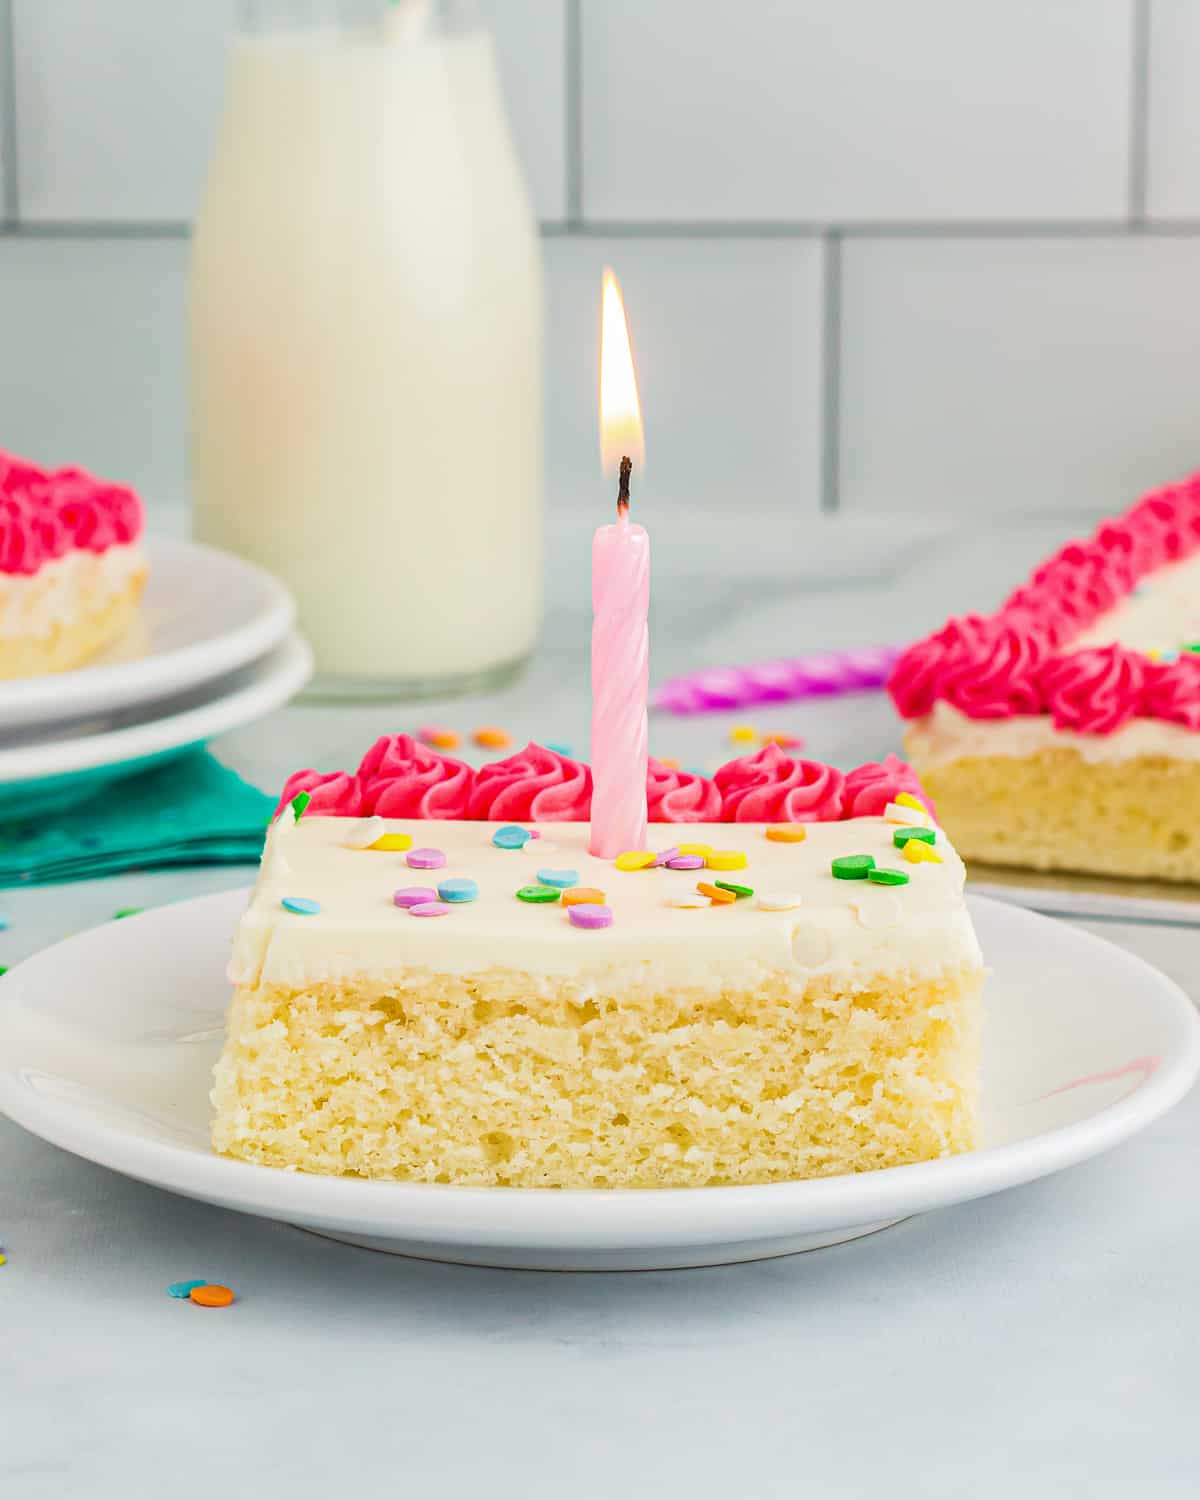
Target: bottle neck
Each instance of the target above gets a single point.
(400, 20)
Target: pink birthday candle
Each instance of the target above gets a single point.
(620, 606)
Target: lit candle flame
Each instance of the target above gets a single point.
(620, 409)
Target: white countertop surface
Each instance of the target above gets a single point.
(1040, 1342)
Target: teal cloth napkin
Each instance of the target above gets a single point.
(192, 811)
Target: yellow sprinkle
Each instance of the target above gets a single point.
(393, 841)
(703, 850)
(635, 859)
(725, 859)
(906, 799)
(743, 734)
(788, 833)
(916, 851)
(3, 1258)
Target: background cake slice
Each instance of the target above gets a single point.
(1063, 731)
(72, 566)
(747, 1002)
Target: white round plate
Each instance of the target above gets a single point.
(203, 614)
(39, 773)
(107, 1043)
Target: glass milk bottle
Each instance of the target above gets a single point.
(366, 342)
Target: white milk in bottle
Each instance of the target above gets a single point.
(366, 342)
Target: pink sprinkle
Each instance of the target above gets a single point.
(534, 834)
(413, 895)
(667, 856)
(686, 862)
(590, 914)
(426, 859)
(429, 909)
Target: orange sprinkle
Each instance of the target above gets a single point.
(439, 738)
(715, 894)
(788, 833)
(669, 761)
(582, 894)
(784, 741)
(491, 738)
(211, 1296)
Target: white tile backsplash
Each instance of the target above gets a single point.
(116, 103)
(1173, 165)
(1019, 375)
(93, 372)
(726, 336)
(865, 109)
(531, 50)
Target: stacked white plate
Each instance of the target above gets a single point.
(215, 648)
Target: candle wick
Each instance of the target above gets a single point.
(623, 487)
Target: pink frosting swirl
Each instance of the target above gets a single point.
(870, 787)
(680, 796)
(994, 674)
(18, 473)
(1094, 691)
(534, 785)
(915, 683)
(402, 778)
(20, 550)
(45, 515)
(770, 787)
(334, 793)
(1172, 690)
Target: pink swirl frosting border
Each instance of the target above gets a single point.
(45, 513)
(1018, 660)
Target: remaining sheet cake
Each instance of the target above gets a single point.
(436, 982)
(71, 566)
(1063, 731)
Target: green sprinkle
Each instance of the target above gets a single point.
(853, 867)
(881, 875)
(3, 968)
(127, 911)
(740, 891)
(300, 804)
(538, 893)
(1193, 646)
(902, 836)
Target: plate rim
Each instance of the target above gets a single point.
(52, 697)
(279, 674)
(649, 1218)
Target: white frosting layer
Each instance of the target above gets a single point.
(947, 735)
(845, 928)
(1163, 614)
(64, 590)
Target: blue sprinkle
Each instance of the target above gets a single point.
(511, 837)
(559, 748)
(182, 1288)
(1169, 656)
(695, 771)
(3, 922)
(563, 879)
(458, 889)
(301, 905)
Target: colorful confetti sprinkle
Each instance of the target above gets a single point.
(511, 837)
(669, 762)
(458, 888)
(778, 901)
(726, 859)
(703, 850)
(686, 862)
(896, 812)
(853, 866)
(903, 835)
(393, 843)
(883, 875)
(211, 1295)
(409, 896)
(784, 741)
(299, 803)
(183, 1289)
(635, 859)
(490, 738)
(589, 915)
(559, 748)
(429, 909)
(303, 906)
(364, 834)
(740, 891)
(715, 894)
(538, 893)
(917, 852)
(583, 893)
(425, 859)
(119, 915)
(560, 878)
(743, 734)
(438, 737)
(690, 901)
(666, 856)
(787, 833)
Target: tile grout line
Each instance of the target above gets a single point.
(573, 64)
(831, 372)
(1139, 113)
(10, 196)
